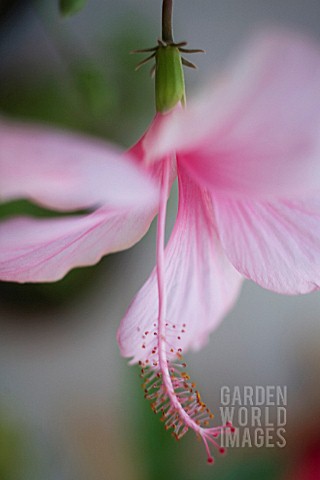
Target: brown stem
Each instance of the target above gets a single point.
(167, 9)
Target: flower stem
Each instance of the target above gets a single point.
(167, 9)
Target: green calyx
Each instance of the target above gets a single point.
(168, 70)
(169, 84)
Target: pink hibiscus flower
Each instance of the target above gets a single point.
(247, 157)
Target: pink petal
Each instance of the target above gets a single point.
(34, 250)
(148, 150)
(201, 284)
(138, 153)
(67, 172)
(149, 139)
(257, 130)
(276, 244)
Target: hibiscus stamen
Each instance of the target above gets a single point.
(176, 398)
(166, 383)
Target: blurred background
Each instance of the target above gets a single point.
(70, 407)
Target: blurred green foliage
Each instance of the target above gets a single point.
(69, 7)
(103, 97)
(12, 448)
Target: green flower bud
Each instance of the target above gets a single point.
(170, 88)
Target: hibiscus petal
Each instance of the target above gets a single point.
(276, 244)
(257, 132)
(148, 150)
(201, 284)
(68, 172)
(37, 250)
